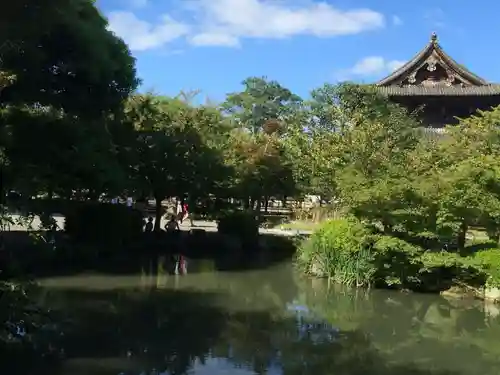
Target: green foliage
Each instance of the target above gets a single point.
(98, 223)
(348, 252)
(260, 101)
(24, 325)
(241, 224)
(397, 262)
(488, 262)
(368, 155)
(342, 250)
(63, 55)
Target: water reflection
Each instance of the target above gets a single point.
(263, 322)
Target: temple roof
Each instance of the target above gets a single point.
(409, 90)
(432, 72)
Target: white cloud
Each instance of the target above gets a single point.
(141, 35)
(226, 22)
(273, 19)
(369, 67)
(214, 39)
(397, 21)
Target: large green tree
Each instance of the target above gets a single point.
(458, 175)
(64, 78)
(260, 101)
(261, 114)
(62, 54)
(170, 157)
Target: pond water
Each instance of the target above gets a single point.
(268, 321)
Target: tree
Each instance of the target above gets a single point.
(261, 114)
(461, 172)
(62, 55)
(260, 101)
(348, 135)
(64, 77)
(170, 155)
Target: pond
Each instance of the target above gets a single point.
(268, 321)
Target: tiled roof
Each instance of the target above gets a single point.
(431, 48)
(409, 90)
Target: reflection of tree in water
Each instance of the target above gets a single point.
(407, 328)
(140, 331)
(163, 324)
(259, 342)
(249, 322)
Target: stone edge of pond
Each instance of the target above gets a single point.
(487, 294)
(491, 294)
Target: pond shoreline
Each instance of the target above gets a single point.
(463, 291)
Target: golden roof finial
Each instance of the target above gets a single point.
(434, 37)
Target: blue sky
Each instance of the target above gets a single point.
(212, 45)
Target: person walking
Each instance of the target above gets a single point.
(179, 211)
(149, 225)
(172, 225)
(185, 214)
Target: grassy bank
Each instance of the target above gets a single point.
(300, 225)
(350, 252)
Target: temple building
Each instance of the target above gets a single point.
(444, 88)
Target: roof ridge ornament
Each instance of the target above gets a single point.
(430, 51)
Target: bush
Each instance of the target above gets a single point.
(103, 223)
(341, 250)
(241, 224)
(397, 262)
(488, 262)
(26, 328)
(350, 253)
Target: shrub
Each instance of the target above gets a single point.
(241, 224)
(26, 328)
(103, 223)
(397, 262)
(348, 252)
(450, 268)
(488, 262)
(341, 250)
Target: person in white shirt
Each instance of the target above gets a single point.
(179, 213)
(129, 202)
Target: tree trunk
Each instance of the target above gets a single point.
(266, 204)
(158, 213)
(462, 235)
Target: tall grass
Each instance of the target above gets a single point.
(340, 250)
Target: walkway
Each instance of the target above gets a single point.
(209, 226)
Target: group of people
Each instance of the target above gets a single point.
(129, 201)
(173, 224)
